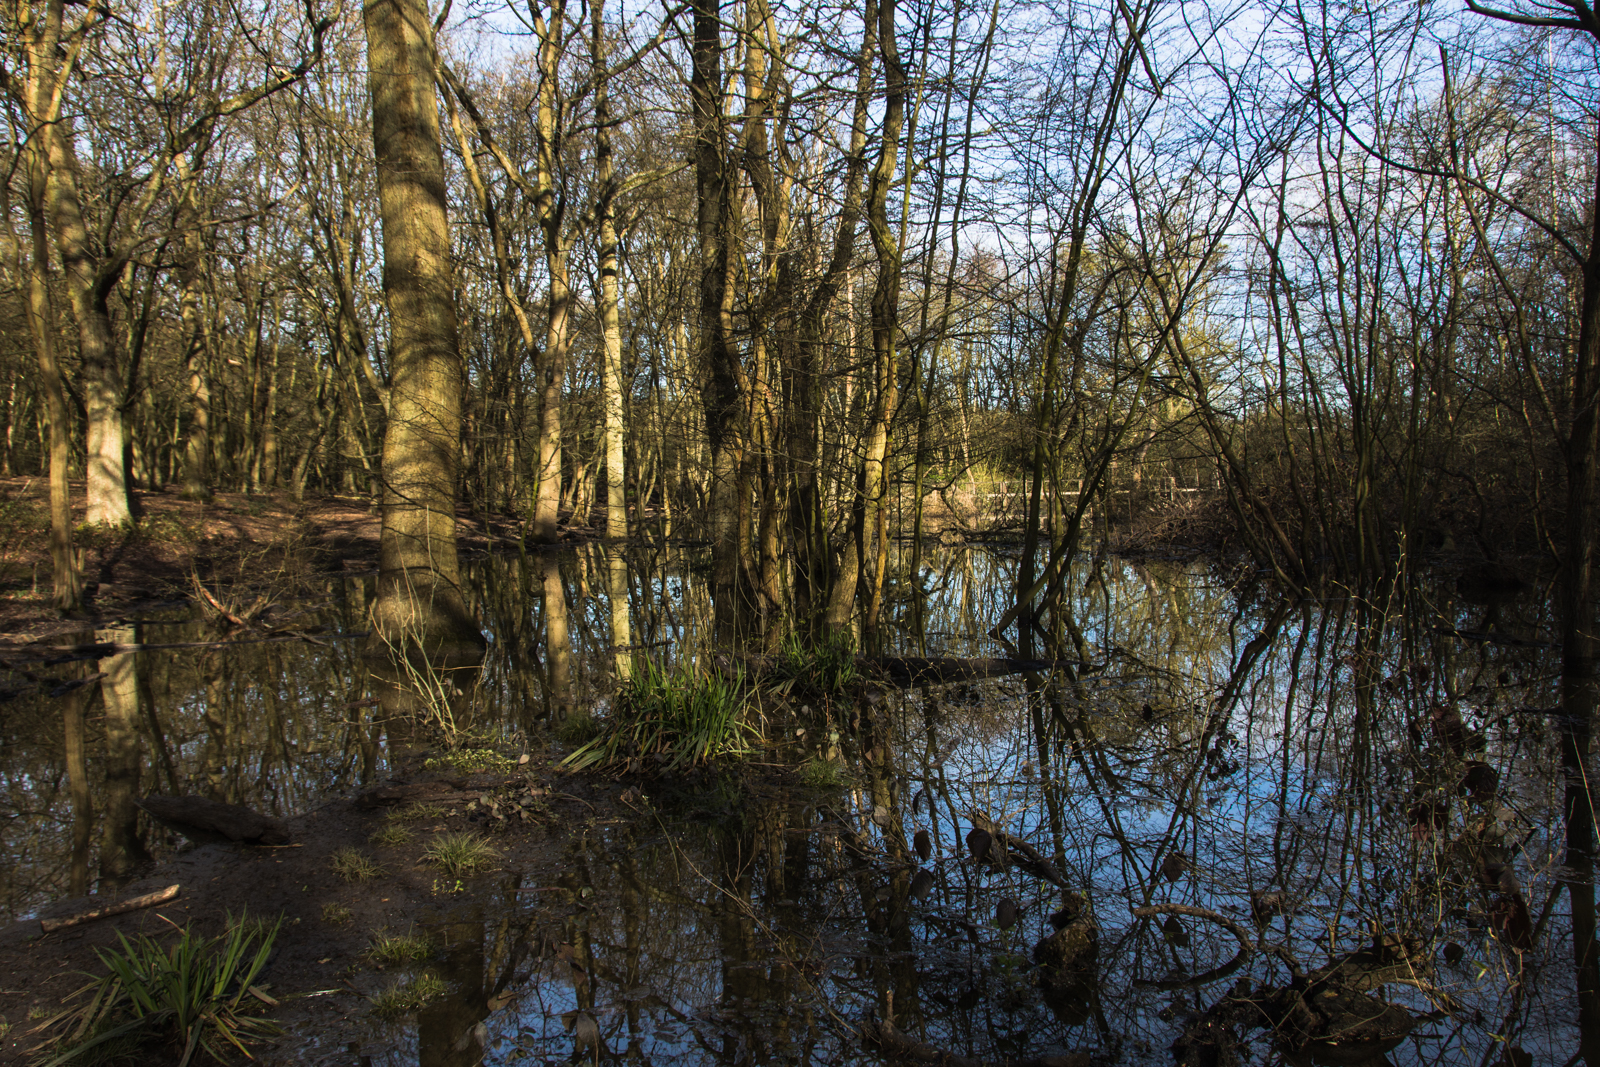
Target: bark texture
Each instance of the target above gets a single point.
(419, 602)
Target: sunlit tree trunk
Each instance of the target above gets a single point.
(89, 288)
(613, 388)
(44, 74)
(197, 446)
(420, 601)
(550, 204)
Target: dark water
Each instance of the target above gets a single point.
(1286, 750)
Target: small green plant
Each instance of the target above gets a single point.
(825, 669)
(353, 865)
(577, 729)
(822, 773)
(408, 995)
(336, 914)
(669, 720)
(392, 950)
(460, 854)
(471, 761)
(390, 835)
(416, 813)
(198, 994)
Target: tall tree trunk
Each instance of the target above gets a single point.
(44, 105)
(197, 445)
(104, 386)
(814, 571)
(269, 420)
(613, 388)
(718, 356)
(869, 518)
(419, 600)
(550, 205)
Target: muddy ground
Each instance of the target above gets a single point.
(321, 972)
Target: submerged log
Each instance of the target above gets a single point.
(931, 670)
(205, 821)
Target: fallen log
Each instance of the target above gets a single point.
(207, 821)
(930, 670)
(94, 908)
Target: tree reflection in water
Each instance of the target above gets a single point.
(1316, 765)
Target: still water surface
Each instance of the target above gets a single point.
(1222, 747)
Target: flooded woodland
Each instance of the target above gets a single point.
(1225, 788)
(1039, 534)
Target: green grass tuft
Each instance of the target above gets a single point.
(460, 854)
(392, 950)
(408, 995)
(391, 835)
(353, 865)
(825, 669)
(336, 914)
(669, 720)
(195, 994)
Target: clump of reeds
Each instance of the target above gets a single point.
(198, 995)
(823, 669)
(670, 720)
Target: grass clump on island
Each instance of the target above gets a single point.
(825, 669)
(196, 995)
(408, 995)
(393, 950)
(460, 854)
(353, 865)
(671, 720)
